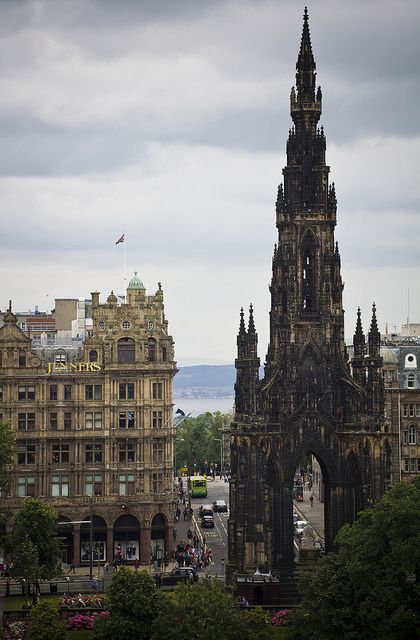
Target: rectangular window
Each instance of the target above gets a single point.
(60, 453)
(67, 421)
(53, 392)
(157, 451)
(26, 453)
(126, 483)
(93, 453)
(26, 422)
(67, 391)
(157, 390)
(22, 359)
(413, 465)
(157, 482)
(26, 393)
(93, 392)
(405, 437)
(97, 420)
(1, 393)
(407, 465)
(405, 410)
(26, 486)
(126, 419)
(411, 410)
(93, 485)
(126, 452)
(89, 420)
(417, 410)
(412, 435)
(126, 391)
(53, 421)
(60, 486)
(157, 420)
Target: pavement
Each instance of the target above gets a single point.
(314, 514)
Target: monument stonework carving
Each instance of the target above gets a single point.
(312, 398)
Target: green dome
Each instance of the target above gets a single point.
(136, 283)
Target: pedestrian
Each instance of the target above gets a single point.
(311, 499)
(189, 534)
(95, 583)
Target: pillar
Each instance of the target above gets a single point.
(145, 545)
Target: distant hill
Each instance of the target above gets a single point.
(205, 381)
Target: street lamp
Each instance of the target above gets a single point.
(221, 452)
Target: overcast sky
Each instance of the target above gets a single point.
(167, 120)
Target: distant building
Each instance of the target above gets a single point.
(93, 419)
(401, 376)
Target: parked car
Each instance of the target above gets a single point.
(206, 510)
(220, 505)
(207, 522)
(182, 574)
(300, 525)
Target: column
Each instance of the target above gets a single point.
(76, 545)
(145, 545)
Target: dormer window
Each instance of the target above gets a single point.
(410, 361)
(410, 381)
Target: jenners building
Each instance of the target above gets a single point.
(88, 390)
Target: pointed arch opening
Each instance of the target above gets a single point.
(308, 252)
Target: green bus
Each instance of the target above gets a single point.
(198, 486)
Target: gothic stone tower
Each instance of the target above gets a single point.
(311, 399)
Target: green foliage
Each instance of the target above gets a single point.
(7, 450)
(370, 589)
(134, 603)
(207, 609)
(195, 440)
(44, 623)
(35, 528)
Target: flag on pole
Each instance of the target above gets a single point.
(179, 412)
(120, 239)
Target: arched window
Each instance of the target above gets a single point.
(410, 381)
(93, 356)
(126, 350)
(152, 349)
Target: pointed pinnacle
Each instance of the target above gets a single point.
(242, 329)
(251, 325)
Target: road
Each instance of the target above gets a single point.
(216, 538)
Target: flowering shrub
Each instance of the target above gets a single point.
(280, 618)
(80, 621)
(78, 600)
(15, 631)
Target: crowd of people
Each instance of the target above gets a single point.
(190, 554)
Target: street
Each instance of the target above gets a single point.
(216, 538)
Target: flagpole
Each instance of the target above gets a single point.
(125, 273)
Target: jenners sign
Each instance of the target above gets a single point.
(73, 367)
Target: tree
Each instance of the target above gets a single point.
(198, 440)
(370, 589)
(44, 624)
(7, 451)
(34, 543)
(134, 602)
(207, 609)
